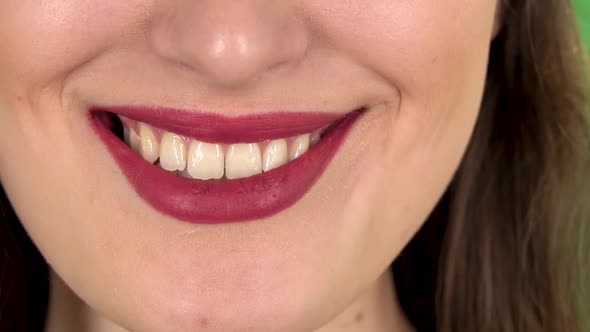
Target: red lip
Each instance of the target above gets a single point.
(223, 201)
(216, 128)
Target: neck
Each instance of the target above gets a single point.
(376, 310)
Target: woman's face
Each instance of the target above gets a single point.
(136, 245)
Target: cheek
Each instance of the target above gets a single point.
(436, 59)
(44, 41)
(435, 54)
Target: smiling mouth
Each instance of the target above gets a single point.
(207, 168)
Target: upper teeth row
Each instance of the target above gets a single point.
(201, 160)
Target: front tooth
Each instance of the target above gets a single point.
(205, 161)
(173, 152)
(275, 155)
(243, 160)
(149, 147)
(299, 146)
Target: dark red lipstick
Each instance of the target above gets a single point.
(222, 201)
(217, 128)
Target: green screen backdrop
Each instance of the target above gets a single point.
(583, 12)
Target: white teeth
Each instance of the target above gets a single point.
(205, 161)
(149, 146)
(275, 155)
(299, 146)
(173, 152)
(243, 160)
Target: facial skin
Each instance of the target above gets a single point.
(418, 65)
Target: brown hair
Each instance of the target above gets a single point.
(501, 251)
(24, 280)
(513, 252)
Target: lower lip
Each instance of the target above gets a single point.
(225, 201)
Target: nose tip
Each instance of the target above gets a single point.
(230, 43)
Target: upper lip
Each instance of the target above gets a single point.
(217, 128)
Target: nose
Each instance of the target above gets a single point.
(230, 42)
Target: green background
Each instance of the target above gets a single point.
(583, 12)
